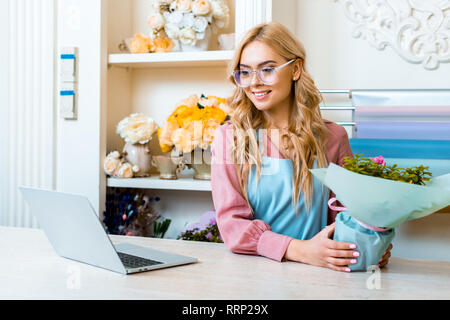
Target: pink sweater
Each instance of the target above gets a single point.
(240, 232)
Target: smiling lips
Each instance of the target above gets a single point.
(261, 95)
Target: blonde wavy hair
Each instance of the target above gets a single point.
(307, 131)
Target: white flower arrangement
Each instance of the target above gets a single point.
(137, 128)
(187, 20)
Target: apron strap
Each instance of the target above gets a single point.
(335, 207)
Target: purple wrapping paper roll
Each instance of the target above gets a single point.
(403, 130)
(402, 113)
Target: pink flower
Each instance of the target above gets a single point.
(379, 160)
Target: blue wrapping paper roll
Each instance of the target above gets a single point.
(398, 148)
(370, 244)
(403, 130)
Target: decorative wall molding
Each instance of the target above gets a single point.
(418, 30)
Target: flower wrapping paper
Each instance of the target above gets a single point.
(380, 203)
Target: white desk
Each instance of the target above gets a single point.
(30, 269)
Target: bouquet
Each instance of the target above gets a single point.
(187, 20)
(129, 212)
(377, 199)
(192, 124)
(204, 230)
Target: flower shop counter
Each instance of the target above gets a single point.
(31, 269)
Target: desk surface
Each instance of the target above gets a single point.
(30, 269)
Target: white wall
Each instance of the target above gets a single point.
(4, 114)
(79, 142)
(336, 60)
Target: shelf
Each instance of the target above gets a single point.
(184, 182)
(172, 59)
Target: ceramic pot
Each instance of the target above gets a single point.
(168, 167)
(200, 161)
(139, 155)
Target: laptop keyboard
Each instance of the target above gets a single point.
(130, 261)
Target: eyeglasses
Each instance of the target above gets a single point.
(267, 75)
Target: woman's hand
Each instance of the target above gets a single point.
(385, 258)
(323, 252)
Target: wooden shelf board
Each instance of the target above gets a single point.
(172, 59)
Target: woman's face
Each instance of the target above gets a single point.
(267, 97)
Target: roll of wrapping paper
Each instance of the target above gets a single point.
(395, 98)
(402, 113)
(397, 148)
(403, 130)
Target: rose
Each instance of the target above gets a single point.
(156, 21)
(200, 24)
(188, 36)
(209, 130)
(188, 20)
(163, 44)
(379, 160)
(219, 9)
(172, 31)
(137, 128)
(190, 101)
(111, 164)
(125, 171)
(175, 17)
(140, 44)
(184, 5)
(201, 7)
(182, 140)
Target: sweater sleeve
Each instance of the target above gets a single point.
(337, 149)
(239, 231)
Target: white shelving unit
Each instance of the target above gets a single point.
(218, 58)
(112, 85)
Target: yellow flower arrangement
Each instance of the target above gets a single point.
(193, 123)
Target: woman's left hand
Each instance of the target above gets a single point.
(385, 258)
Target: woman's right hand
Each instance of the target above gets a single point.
(322, 251)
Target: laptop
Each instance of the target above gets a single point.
(75, 232)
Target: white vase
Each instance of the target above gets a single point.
(200, 45)
(140, 155)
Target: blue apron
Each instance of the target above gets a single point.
(271, 200)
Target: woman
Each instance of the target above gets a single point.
(267, 202)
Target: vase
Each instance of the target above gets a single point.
(200, 45)
(138, 155)
(199, 160)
